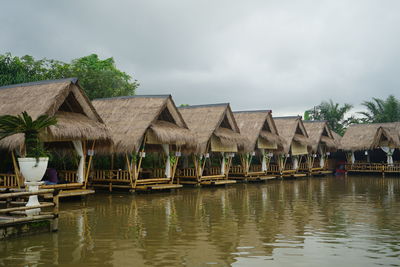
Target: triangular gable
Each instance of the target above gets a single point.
(228, 121)
(300, 129)
(169, 113)
(75, 100)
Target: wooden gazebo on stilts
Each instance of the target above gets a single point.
(372, 148)
(322, 144)
(145, 130)
(79, 131)
(218, 138)
(295, 147)
(263, 142)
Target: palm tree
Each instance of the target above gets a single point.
(10, 125)
(334, 113)
(379, 110)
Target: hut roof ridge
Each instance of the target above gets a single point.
(133, 96)
(72, 80)
(204, 105)
(254, 111)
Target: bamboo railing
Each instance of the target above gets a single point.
(8, 181)
(69, 176)
(13, 209)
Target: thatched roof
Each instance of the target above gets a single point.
(337, 138)
(319, 132)
(77, 118)
(131, 117)
(256, 124)
(291, 129)
(214, 119)
(368, 136)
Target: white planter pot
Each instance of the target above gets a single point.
(32, 170)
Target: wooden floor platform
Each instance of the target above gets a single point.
(217, 182)
(158, 187)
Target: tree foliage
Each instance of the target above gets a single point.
(332, 112)
(379, 110)
(99, 78)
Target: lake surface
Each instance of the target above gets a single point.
(331, 221)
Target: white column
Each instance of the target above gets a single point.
(79, 150)
(352, 158)
(223, 163)
(168, 162)
(264, 161)
(389, 153)
(295, 162)
(322, 161)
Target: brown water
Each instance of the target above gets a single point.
(330, 221)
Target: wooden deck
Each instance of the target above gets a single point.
(120, 179)
(373, 168)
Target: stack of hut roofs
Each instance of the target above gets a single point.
(259, 128)
(132, 118)
(371, 136)
(337, 137)
(320, 137)
(294, 135)
(215, 128)
(77, 119)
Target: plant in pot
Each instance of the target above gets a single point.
(34, 162)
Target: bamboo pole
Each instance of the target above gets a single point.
(140, 162)
(24, 194)
(175, 167)
(128, 163)
(16, 169)
(88, 167)
(84, 158)
(43, 205)
(112, 161)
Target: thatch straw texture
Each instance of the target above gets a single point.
(287, 127)
(319, 132)
(251, 125)
(367, 136)
(170, 133)
(207, 120)
(78, 121)
(129, 118)
(337, 137)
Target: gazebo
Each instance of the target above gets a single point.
(218, 138)
(322, 144)
(259, 128)
(372, 148)
(78, 134)
(149, 135)
(295, 146)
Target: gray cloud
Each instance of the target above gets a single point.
(283, 55)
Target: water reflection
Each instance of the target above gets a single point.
(315, 221)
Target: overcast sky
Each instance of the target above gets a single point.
(281, 55)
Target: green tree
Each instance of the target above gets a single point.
(24, 69)
(334, 113)
(99, 78)
(379, 110)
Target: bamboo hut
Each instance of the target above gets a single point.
(322, 144)
(372, 148)
(145, 130)
(263, 141)
(218, 138)
(79, 130)
(295, 146)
